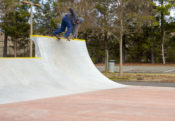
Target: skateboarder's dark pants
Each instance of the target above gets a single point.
(66, 22)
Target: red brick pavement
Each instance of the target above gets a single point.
(123, 104)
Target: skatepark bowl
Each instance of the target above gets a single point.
(62, 84)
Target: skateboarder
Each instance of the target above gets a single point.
(69, 21)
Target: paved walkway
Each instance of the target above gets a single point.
(142, 69)
(123, 104)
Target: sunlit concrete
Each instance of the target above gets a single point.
(63, 67)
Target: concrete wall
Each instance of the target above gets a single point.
(1, 43)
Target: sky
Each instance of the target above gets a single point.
(172, 12)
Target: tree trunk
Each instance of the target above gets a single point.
(106, 61)
(152, 55)
(124, 49)
(163, 50)
(15, 48)
(5, 45)
(106, 53)
(121, 39)
(162, 34)
(24, 52)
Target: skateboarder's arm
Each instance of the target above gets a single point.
(73, 12)
(74, 30)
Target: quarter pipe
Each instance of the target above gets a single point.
(60, 68)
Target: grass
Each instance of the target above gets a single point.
(142, 77)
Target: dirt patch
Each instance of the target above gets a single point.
(142, 77)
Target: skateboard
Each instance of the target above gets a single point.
(59, 38)
(67, 39)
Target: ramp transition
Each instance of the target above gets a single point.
(60, 68)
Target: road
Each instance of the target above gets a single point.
(142, 69)
(152, 84)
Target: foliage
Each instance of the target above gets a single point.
(142, 37)
(46, 18)
(15, 24)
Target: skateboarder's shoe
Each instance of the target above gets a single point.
(57, 37)
(67, 38)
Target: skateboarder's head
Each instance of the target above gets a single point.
(79, 20)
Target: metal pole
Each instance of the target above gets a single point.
(31, 29)
(31, 23)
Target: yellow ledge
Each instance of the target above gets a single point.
(20, 58)
(53, 37)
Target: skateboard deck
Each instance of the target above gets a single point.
(59, 38)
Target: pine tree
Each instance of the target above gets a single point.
(47, 18)
(15, 25)
(163, 10)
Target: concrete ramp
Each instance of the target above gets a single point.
(61, 67)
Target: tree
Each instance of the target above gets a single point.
(104, 19)
(130, 13)
(6, 6)
(46, 19)
(15, 25)
(163, 10)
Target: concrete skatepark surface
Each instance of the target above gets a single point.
(121, 104)
(38, 89)
(61, 67)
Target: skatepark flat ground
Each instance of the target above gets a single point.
(121, 104)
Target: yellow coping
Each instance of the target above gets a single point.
(20, 58)
(54, 37)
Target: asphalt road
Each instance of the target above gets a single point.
(142, 69)
(152, 84)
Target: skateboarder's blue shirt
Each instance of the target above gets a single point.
(69, 21)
